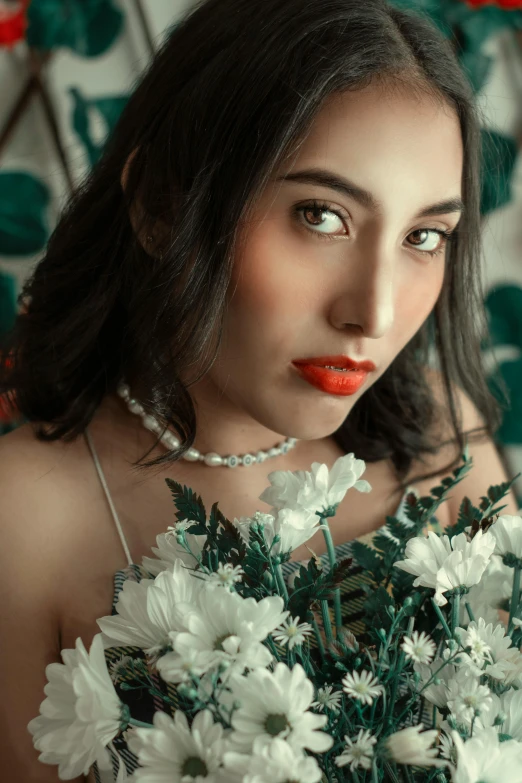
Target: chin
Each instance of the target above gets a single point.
(313, 423)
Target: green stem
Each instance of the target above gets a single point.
(281, 583)
(327, 625)
(318, 638)
(515, 598)
(333, 560)
(140, 724)
(455, 612)
(441, 618)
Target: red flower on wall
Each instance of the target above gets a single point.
(8, 410)
(506, 5)
(13, 21)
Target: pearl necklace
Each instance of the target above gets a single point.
(212, 459)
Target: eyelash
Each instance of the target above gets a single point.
(446, 236)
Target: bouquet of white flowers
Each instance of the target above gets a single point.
(251, 677)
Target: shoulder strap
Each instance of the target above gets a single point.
(103, 482)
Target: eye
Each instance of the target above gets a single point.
(320, 219)
(436, 244)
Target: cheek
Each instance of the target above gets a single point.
(416, 300)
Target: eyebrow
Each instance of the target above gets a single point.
(328, 179)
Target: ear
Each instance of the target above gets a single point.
(151, 235)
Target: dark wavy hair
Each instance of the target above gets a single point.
(134, 280)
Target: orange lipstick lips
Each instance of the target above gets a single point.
(337, 375)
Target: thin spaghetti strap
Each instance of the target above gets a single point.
(107, 495)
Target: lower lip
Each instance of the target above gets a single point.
(332, 381)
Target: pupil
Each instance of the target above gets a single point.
(194, 766)
(275, 724)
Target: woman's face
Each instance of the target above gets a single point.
(329, 269)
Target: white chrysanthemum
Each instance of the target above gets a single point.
(168, 549)
(483, 759)
(358, 752)
(447, 747)
(444, 564)
(173, 667)
(466, 696)
(81, 714)
(413, 746)
(438, 676)
(318, 489)
(419, 647)
(150, 609)
(292, 632)
(327, 700)
(511, 706)
(223, 627)
(293, 527)
(173, 752)
(275, 704)
(502, 661)
(362, 686)
(486, 598)
(507, 531)
(277, 762)
(226, 576)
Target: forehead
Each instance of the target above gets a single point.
(393, 142)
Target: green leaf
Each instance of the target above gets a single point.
(7, 301)
(189, 504)
(24, 227)
(107, 108)
(366, 556)
(88, 27)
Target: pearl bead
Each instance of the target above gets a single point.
(213, 459)
(134, 406)
(232, 461)
(284, 448)
(274, 452)
(261, 456)
(192, 455)
(170, 440)
(151, 424)
(123, 390)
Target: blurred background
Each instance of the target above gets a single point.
(68, 66)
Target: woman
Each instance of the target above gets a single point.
(290, 181)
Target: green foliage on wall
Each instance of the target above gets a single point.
(24, 225)
(88, 27)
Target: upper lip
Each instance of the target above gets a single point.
(338, 361)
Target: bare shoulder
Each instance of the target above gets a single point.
(32, 532)
(488, 465)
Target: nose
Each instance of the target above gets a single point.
(366, 293)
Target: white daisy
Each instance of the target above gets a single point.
(488, 595)
(173, 667)
(362, 686)
(507, 531)
(172, 751)
(412, 746)
(223, 627)
(81, 714)
(483, 759)
(150, 609)
(277, 762)
(444, 564)
(437, 675)
(419, 647)
(292, 632)
(501, 660)
(358, 752)
(168, 550)
(466, 696)
(118, 669)
(293, 527)
(226, 576)
(275, 704)
(318, 489)
(326, 700)
(447, 747)
(511, 704)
